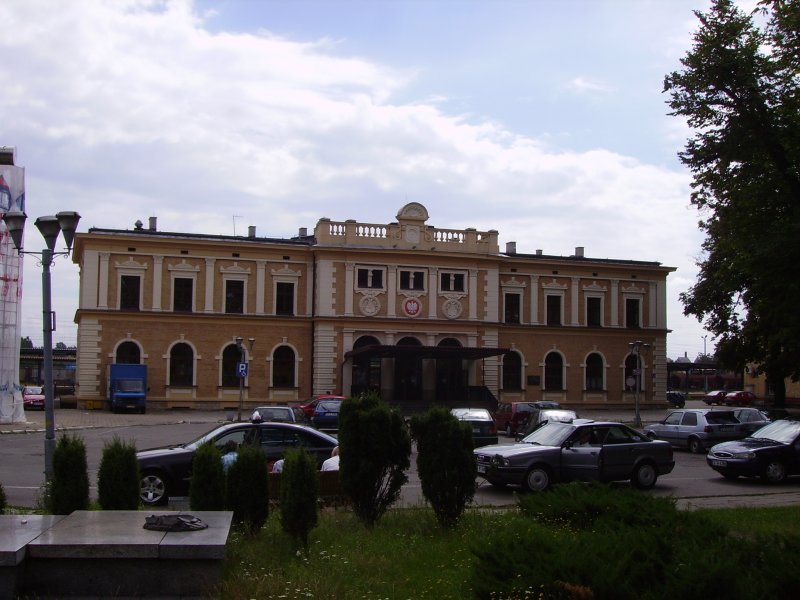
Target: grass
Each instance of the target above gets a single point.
(406, 555)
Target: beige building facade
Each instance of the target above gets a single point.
(417, 313)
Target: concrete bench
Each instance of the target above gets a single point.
(110, 554)
(16, 532)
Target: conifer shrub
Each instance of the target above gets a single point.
(118, 476)
(68, 490)
(445, 463)
(3, 501)
(374, 451)
(299, 492)
(247, 489)
(207, 486)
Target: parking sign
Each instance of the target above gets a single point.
(241, 369)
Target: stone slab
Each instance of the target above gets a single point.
(202, 544)
(17, 531)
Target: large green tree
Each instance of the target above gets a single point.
(739, 90)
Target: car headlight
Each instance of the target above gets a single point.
(745, 455)
(499, 461)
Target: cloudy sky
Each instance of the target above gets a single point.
(542, 119)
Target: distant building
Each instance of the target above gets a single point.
(417, 313)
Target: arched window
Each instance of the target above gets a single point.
(553, 372)
(128, 354)
(230, 358)
(283, 367)
(594, 372)
(512, 371)
(181, 365)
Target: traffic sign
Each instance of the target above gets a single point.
(241, 369)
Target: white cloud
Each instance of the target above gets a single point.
(584, 85)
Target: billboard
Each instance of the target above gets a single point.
(12, 197)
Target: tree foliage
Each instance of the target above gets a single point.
(247, 488)
(207, 486)
(374, 451)
(118, 476)
(739, 90)
(69, 488)
(299, 491)
(445, 463)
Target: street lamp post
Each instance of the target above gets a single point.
(241, 369)
(50, 227)
(705, 372)
(636, 348)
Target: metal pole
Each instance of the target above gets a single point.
(241, 378)
(705, 372)
(637, 419)
(47, 330)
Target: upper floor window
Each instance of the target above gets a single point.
(512, 305)
(284, 298)
(632, 308)
(234, 296)
(130, 292)
(553, 307)
(594, 312)
(412, 280)
(370, 278)
(451, 282)
(183, 294)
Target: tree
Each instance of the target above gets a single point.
(740, 92)
(299, 491)
(26, 342)
(118, 476)
(374, 451)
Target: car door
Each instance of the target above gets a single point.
(581, 455)
(621, 450)
(687, 428)
(667, 430)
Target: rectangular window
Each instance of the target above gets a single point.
(182, 294)
(452, 282)
(129, 287)
(632, 313)
(512, 302)
(284, 298)
(370, 278)
(553, 310)
(234, 296)
(594, 308)
(412, 280)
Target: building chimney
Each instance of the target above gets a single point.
(153, 223)
(538, 252)
(8, 155)
(511, 247)
(304, 232)
(579, 251)
(251, 231)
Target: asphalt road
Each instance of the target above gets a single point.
(692, 482)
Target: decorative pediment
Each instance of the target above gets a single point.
(131, 265)
(594, 287)
(285, 271)
(185, 267)
(554, 285)
(632, 289)
(513, 283)
(234, 269)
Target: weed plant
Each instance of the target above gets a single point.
(3, 501)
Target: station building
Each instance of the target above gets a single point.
(420, 314)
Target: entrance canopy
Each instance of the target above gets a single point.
(436, 352)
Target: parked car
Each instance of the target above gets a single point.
(751, 419)
(484, 430)
(309, 405)
(583, 450)
(739, 398)
(714, 397)
(676, 399)
(772, 452)
(696, 428)
(541, 416)
(283, 414)
(166, 471)
(510, 416)
(326, 414)
(33, 397)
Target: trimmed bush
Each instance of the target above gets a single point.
(207, 486)
(3, 501)
(118, 476)
(69, 489)
(299, 492)
(374, 451)
(445, 463)
(247, 489)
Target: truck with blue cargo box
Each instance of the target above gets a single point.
(127, 387)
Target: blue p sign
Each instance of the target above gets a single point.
(241, 369)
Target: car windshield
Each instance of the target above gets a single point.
(471, 414)
(33, 390)
(784, 432)
(274, 413)
(550, 434)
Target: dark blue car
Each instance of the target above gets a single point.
(326, 414)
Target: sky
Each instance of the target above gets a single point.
(542, 119)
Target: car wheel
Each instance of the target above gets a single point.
(650, 435)
(644, 476)
(775, 472)
(537, 479)
(730, 476)
(695, 447)
(508, 430)
(153, 489)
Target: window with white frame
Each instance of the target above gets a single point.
(450, 281)
(130, 292)
(633, 313)
(370, 278)
(183, 294)
(594, 311)
(284, 298)
(554, 309)
(511, 307)
(234, 296)
(595, 372)
(412, 280)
